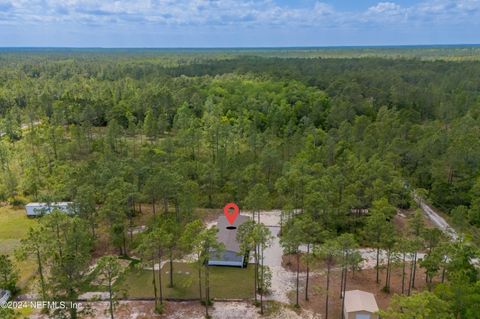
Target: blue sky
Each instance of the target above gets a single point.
(237, 23)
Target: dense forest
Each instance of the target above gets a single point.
(328, 137)
(225, 125)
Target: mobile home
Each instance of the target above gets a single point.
(4, 296)
(40, 209)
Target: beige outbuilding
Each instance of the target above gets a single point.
(360, 305)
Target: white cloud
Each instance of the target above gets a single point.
(446, 7)
(168, 12)
(231, 12)
(385, 7)
(385, 12)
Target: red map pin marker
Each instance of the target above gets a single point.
(231, 217)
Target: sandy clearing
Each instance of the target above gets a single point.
(190, 310)
(369, 256)
(283, 280)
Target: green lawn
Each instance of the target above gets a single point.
(14, 225)
(14, 222)
(225, 282)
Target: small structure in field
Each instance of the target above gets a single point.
(357, 212)
(360, 305)
(227, 234)
(40, 209)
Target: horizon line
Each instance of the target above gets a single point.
(439, 45)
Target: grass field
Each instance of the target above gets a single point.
(225, 282)
(14, 225)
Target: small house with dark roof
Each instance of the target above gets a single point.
(227, 234)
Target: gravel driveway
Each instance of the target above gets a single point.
(283, 281)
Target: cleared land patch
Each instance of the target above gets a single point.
(14, 225)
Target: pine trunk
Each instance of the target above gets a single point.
(110, 297)
(200, 282)
(410, 279)
(308, 273)
(328, 288)
(344, 289)
(414, 269)
(387, 278)
(160, 279)
(154, 281)
(298, 276)
(262, 288)
(403, 274)
(255, 285)
(207, 290)
(171, 269)
(165, 205)
(341, 283)
(40, 273)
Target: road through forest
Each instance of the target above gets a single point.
(437, 220)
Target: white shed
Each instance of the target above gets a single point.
(360, 305)
(39, 209)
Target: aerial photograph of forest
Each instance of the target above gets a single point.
(240, 159)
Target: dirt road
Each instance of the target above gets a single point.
(438, 220)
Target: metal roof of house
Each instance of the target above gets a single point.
(49, 204)
(229, 236)
(358, 300)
